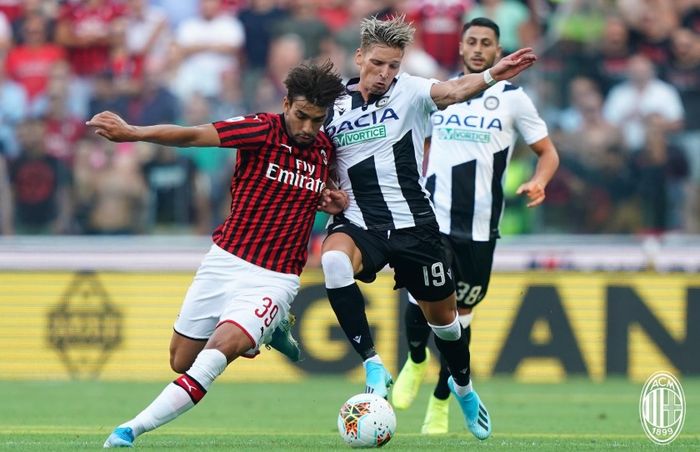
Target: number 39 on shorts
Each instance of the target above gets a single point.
(268, 311)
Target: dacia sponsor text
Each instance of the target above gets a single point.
(371, 119)
(470, 121)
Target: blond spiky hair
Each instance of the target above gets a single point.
(394, 32)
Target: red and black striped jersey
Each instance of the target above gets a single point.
(275, 189)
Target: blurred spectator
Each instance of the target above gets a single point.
(148, 34)
(125, 67)
(439, 28)
(304, 22)
(609, 58)
(286, 52)
(6, 207)
(689, 13)
(86, 29)
(47, 9)
(62, 80)
(206, 47)
(30, 63)
(684, 74)
(178, 194)
(418, 62)
(11, 9)
(580, 88)
(153, 102)
(349, 36)
(337, 54)
(231, 102)
(592, 150)
(5, 34)
(14, 105)
(259, 20)
(508, 14)
(110, 190)
(579, 21)
(334, 13)
(661, 168)
(650, 30)
(106, 95)
(40, 184)
(215, 164)
(177, 10)
(631, 105)
(63, 129)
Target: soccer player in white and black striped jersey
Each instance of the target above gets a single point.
(379, 129)
(471, 145)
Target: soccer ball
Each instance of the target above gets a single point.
(366, 420)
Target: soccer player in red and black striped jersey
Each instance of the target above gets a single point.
(245, 286)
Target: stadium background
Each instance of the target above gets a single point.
(99, 241)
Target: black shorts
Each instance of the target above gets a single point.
(416, 255)
(471, 264)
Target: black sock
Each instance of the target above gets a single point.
(349, 307)
(417, 332)
(457, 356)
(442, 391)
(467, 332)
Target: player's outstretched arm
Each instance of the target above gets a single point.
(547, 164)
(451, 92)
(114, 128)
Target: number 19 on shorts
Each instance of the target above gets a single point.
(434, 276)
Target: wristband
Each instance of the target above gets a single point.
(488, 79)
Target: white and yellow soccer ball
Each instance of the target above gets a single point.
(366, 420)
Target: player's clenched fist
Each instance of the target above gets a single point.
(113, 127)
(333, 201)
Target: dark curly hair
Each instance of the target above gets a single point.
(318, 83)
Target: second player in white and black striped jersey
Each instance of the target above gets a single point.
(471, 145)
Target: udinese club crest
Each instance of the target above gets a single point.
(491, 103)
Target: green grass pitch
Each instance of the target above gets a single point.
(575, 415)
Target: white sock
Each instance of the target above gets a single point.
(463, 390)
(450, 332)
(182, 394)
(374, 359)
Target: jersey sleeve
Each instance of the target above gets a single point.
(527, 120)
(419, 88)
(243, 132)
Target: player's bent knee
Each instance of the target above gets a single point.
(337, 269)
(179, 363)
(449, 332)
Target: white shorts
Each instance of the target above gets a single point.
(227, 288)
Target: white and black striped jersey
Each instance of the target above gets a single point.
(380, 153)
(470, 148)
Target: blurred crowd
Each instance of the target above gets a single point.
(618, 83)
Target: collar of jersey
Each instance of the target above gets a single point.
(356, 96)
